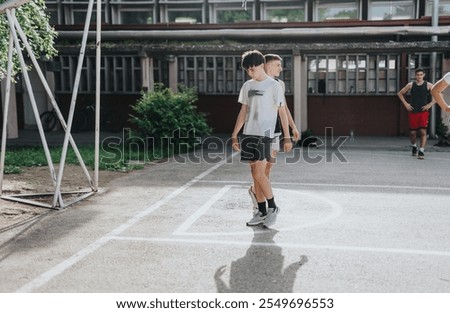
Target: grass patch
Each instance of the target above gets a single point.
(111, 158)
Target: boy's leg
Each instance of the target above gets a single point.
(262, 184)
(413, 136)
(423, 142)
(254, 189)
(423, 137)
(270, 164)
(262, 188)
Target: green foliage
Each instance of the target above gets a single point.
(166, 115)
(12, 169)
(16, 158)
(35, 24)
(441, 128)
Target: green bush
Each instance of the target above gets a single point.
(164, 115)
(441, 128)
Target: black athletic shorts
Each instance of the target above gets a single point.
(255, 148)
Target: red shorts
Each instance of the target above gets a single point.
(418, 120)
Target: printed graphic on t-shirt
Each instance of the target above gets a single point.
(255, 92)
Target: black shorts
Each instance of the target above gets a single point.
(255, 148)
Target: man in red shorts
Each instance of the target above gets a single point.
(418, 110)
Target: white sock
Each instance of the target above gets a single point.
(421, 149)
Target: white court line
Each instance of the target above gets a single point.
(335, 210)
(286, 245)
(202, 210)
(242, 182)
(80, 255)
(399, 155)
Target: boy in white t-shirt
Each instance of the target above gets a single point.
(273, 67)
(437, 90)
(262, 98)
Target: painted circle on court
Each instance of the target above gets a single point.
(298, 209)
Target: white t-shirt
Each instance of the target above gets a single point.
(447, 78)
(263, 99)
(283, 86)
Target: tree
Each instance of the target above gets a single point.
(35, 24)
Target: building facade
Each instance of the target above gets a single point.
(344, 60)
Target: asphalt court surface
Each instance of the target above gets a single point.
(350, 221)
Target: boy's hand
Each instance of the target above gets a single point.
(235, 144)
(287, 144)
(296, 134)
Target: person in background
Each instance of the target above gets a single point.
(418, 110)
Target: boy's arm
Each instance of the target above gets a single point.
(295, 131)
(436, 92)
(240, 120)
(285, 125)
(432, 102)
(401, 96)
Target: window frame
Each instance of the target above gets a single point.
(442, 3)
(119, 6)
(352, 78)
(167, 6)
(267, 5)
(121, 74)
(216, 6)
(221, 74)
(392, 4)
(319, 4)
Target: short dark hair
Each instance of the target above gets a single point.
(252, 58)
(270, 57)
(419, 70)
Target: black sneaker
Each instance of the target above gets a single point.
(421, 155)
(414, 151)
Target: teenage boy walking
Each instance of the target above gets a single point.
(261, 100)
(273, 67)
(421, 102)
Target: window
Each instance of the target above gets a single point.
(283, 11)
(230, 11)
(444, 7)
(120, 74)
(52, 10)
(221, 74)
(423, 60)
(353, 74)
(75, 11)
(161, 71)
(211, 74)
(182, 11)
(335, 10)
(132, 12)
(391, 10)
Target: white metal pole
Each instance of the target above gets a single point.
(434, 23)
(73, 99)
(6, 109)
(27, 81)
(98, 55)
(51, 97)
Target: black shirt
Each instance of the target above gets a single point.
(420, 96)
